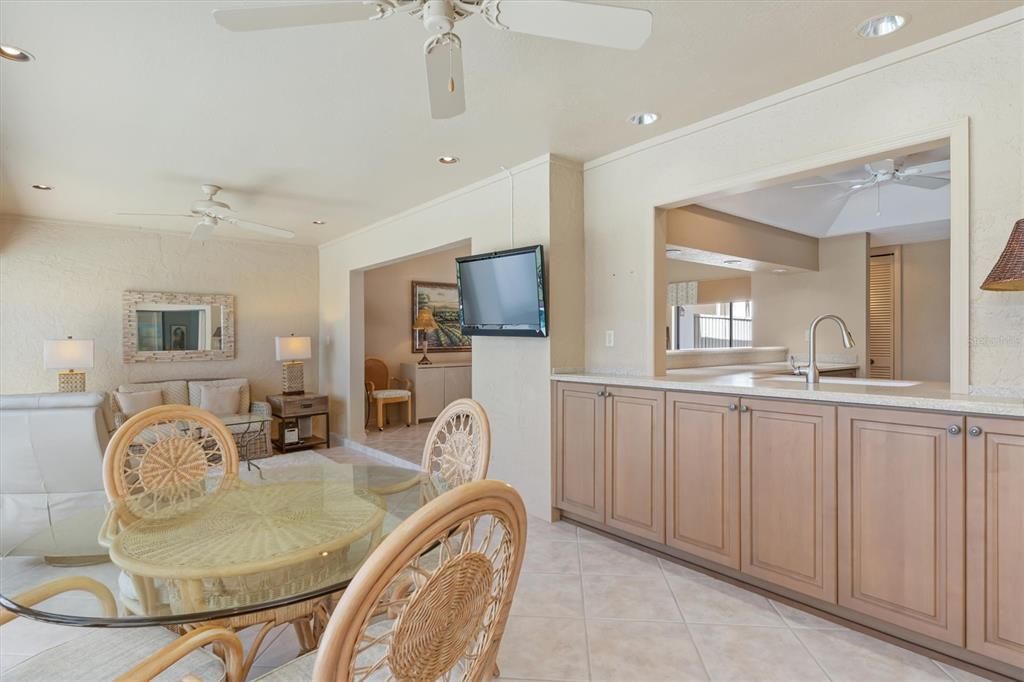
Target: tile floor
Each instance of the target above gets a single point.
(591, 608)
(405, 442)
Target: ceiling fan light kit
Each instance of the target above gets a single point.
(582, 22)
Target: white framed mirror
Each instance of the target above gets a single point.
(175, 327)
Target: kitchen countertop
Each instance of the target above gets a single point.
(756, 381)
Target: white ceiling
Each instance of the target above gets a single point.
(130, 105)
(891, 212)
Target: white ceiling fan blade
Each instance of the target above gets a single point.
(203, 230)
(446, 87)
(165, 215)
(823, 184)
(292, 15)
(580, 22)
(923, 181)
(259, 227)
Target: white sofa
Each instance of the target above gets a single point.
(51, 460)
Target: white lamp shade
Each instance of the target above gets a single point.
(293, 348)
(68, 354)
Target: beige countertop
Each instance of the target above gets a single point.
(761, 380)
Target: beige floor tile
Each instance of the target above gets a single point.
(8, 661)
(283, 648)
(600, 558)
(849, 655)
(539, 529)
(741, 652)
(642, 650)
(544, 649)
(703, 599)
(628, 598)
(958, 674)
(551, 557)
(548, 594)
(796, 618)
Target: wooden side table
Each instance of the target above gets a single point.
(297, 411)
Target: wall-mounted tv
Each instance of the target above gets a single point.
(502, 293)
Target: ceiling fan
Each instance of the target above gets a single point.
(881, 172)
(581, 22)
(212, 211)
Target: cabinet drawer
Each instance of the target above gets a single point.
(297, 406)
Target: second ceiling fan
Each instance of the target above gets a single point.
(581, 22)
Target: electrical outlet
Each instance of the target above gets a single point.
(609, 338)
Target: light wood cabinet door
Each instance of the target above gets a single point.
(702, 476)
(995, 539)
(788, 495)
(901, 519)
(579, 449)
(635, 456)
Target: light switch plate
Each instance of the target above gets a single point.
(609, 338)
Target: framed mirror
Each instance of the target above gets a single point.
(172, 327)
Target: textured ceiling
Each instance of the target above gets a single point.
(130, 105)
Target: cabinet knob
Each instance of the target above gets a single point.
(608, 394)
(744, 408)
(600, 394)
(954, 430)
(732, 407)
(974, 430)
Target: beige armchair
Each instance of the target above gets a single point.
(379, 392)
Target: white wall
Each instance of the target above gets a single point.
(981, 77)
(925, 310)
(60, 279)
(510, 375)
(388, 306)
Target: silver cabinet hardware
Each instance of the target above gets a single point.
(744, 408)
(954, 430)
(732, 407)
(974, 430)
(600, 394)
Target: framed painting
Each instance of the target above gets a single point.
(442, 299)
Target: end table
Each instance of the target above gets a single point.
(294, 411)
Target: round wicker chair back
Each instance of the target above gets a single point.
(461, 554)
(162, 456)
(458, 448)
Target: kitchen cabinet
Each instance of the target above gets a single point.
(437, 385)
(995, 539)
(579, 435)
(702, 476)
(788, 503)
(635, 461)
(901, 519)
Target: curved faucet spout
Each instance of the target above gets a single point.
(812, 343)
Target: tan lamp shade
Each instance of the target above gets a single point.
(68, 353)
(1008, 273)
(292, 348)
(425, 320)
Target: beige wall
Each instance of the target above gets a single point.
(979, 77)
(59, 279)
(723, 290)
(925, 309)
(785, 304)
(388, 306)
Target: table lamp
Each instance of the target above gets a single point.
(1008, 272)
(292, 350)
(69, 355)
(425, 322)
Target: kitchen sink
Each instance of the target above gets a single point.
(852, 381)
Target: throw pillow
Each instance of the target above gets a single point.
(133, 403)
(221, 400)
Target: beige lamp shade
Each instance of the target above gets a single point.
(425, 320)
(68, 353)
(1008, 273)
(293, 348)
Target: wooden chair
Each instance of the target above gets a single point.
(462, 552)
(114, 653)
(379, 392)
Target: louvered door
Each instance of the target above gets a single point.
(883, 316)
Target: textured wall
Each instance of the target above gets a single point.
(981, 77)
(60, 279)
(926, 311)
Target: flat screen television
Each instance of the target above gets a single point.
(502, 293)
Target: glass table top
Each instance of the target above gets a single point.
(215, 548)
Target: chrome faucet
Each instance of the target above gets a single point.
(812, 350)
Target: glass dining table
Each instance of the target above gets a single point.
(228, 549)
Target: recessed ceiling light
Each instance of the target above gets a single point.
(447, 160)
(46, 188)
(732, 262)
(15, 54)
(319, 222)
(882, 25)
(644, 118)
(673, 252)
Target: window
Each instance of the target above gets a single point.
(712, 325)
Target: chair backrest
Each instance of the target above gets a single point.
(163, 456)
(458, 447)
(377, 372)
(432, 600)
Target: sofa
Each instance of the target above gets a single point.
(190, 392)
(51, 461)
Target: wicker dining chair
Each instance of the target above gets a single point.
(458, 447)
(114, 653)
(462, 552)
